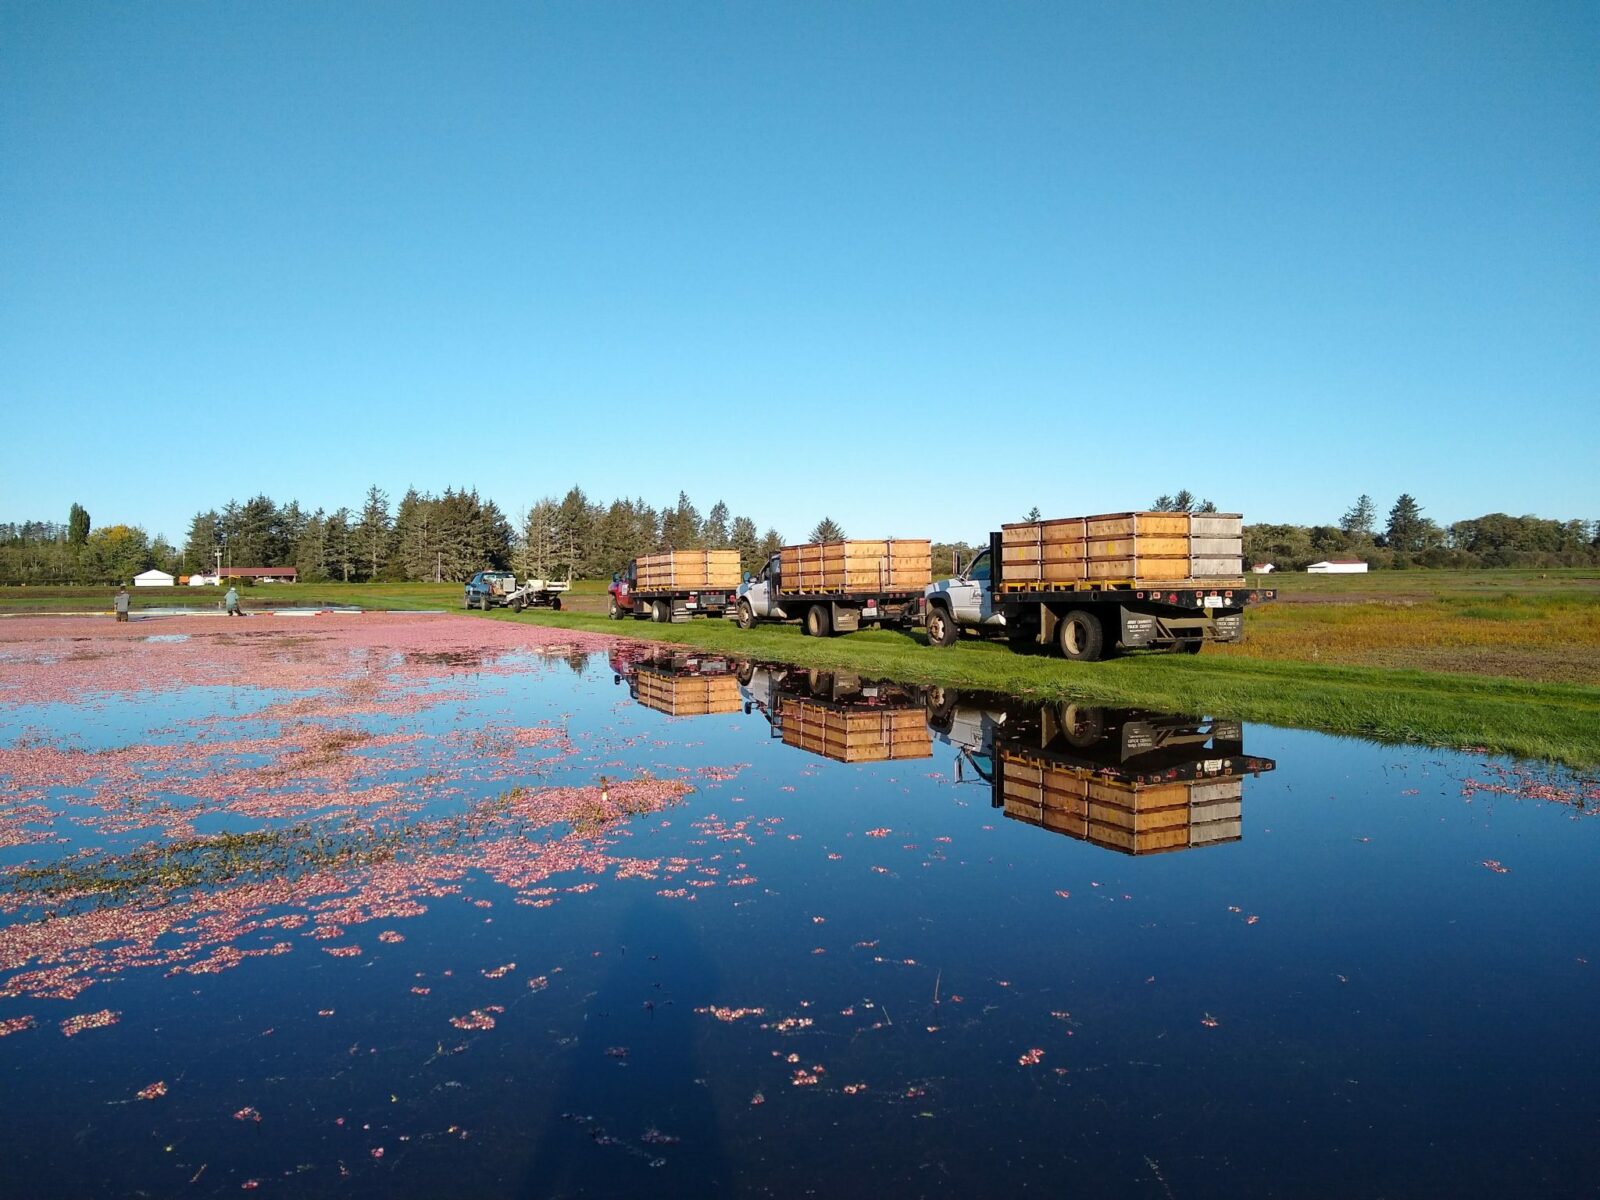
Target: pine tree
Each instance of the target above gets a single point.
(77, 525)
(1033, 514)
(372, 535)
(199, 548)
(715, 534)
(827, 530)
(1357, 520)
(771, 543)
(747, 542)
(1404, 533)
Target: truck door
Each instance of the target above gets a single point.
(761, 589)
(971, 601)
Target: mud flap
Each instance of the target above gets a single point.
(846, 618)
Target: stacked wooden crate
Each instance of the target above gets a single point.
(856, 734)
(1133, 818)
(687, 695)
(687, 570)
(858, 566)
(1122, 548)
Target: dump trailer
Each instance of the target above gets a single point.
(1127, 780)
(675, 585)
(1094, 585)
(836, 587)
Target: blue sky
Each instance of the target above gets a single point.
(917, 266)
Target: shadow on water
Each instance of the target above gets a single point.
(633, 1112)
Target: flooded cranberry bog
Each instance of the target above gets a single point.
(415, 905)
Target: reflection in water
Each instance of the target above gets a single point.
(1128, 780)
(392, 937)
(1125, 779)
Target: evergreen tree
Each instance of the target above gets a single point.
(1357, 521)
(826, 530)
(747, 542)
(715, 534)
(680, 526)
(311, 548)
(771, 543)
(372, 535)
(77, 525)
(574, 534)
(1404, 535)
(341, 545)
(1033, 514)
(205, 537)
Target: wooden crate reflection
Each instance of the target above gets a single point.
(1134, 818)
(686, 695)
(856, 734)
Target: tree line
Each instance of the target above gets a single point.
(1408, 538)
(448, 536)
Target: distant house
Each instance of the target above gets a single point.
(202, 580)
(1263, 568)
(262, 574)
(153, 578)
(1338, 566)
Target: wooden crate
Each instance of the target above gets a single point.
(687, 695)
(1131, 818)
(856, 734)
(688, 570)
(857, 566)
(1123, 548)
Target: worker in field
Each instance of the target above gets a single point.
(120, 603)
(230, 602)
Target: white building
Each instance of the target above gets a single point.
(1263, 568)
(153, 578)
(1338, 566)
(202, 580)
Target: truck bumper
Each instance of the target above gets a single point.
(1139, 628)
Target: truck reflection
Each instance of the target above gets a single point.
(839, 715)
(1128, 780)
(678, 683)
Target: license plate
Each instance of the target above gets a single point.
(1212, 602)
(1212, 766)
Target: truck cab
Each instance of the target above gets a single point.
(757, 595)
(966, 600)
(621, 590)
(488, 589)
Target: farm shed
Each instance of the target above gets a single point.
(153, 578)
(1338, 566)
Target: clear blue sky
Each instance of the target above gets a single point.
(918, 266)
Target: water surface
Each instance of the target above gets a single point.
(525, 925)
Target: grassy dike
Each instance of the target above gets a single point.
(1558, 722)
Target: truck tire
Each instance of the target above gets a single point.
(1080, 725)
(1190, 645)
(517, 605)
(1080, 636)
(555, 603)
(818, 622)
(747, 615)
(942, 628)
(615, 611)
(661, 612)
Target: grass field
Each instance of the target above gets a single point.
(1505, 660)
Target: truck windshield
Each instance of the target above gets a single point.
(979, 570)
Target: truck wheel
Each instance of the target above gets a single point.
(517, 605)
(555, 603)
(1081, 726)
(942, 629)
(1080, 636)
(661, 612)
(818, 623)
(615, 611)
(747, 615)
(1190, 645)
